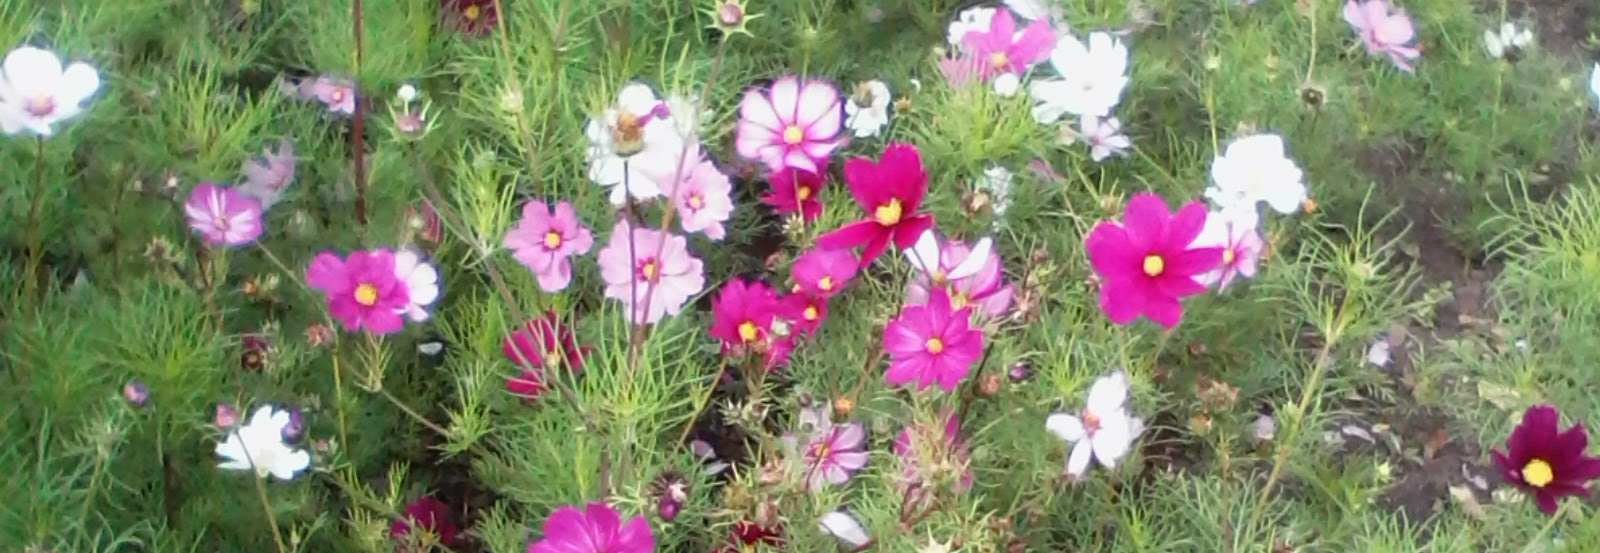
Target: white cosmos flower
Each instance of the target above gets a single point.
(630, 142)
(1594, 84)
(1255, 169)
(1092, 79)
(1006, 85)
(840, 524)
(1049, 10)
(926, 254)
(1509, 39)
(972, 19)
(996, 180)
(258, 446)
(1104, 136)
(867, 111)
(1105, 431)
(36, 93)
(422, 283)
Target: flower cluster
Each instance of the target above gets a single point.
(371, 290)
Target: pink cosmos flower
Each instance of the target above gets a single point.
(890, 191)
(336, 93)
(960, 69)
(545, 239)
(266, 178)
(804, 312)
(820, 272)
(796, 191)
(932, 343)
(1005, 51)
(1146, 263)
(429, 514)
(1384, 30)
(918, 444)
(1241, 249)
(795, 125)
(544, 342)
(595, 529)
(363, 291)
(674, 274)
(223, 216)
(831, 454)
(742, 316)
(702, 195)
(972, 276)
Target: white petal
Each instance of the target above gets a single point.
(77, 84)
(1078, 461)
(1114, 438)
(924, 255)
(1065, 426)
(976, 259)
(637, 99)
(840, 524)
(1108, 394)
(33, 71)
(288, 462)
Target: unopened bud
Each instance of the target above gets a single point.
(227, 416)
(136, 393)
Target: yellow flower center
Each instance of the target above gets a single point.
(696, 201)
(959, 300)
(793, 135)
(888, 214)
(552, 239)
(1537, 473)
(1153, 265)
(628, 136)
(811, 313)
(648, 270)
(747, 331)
(1228, 256)
(939, 277)
(935, 346)
(337, 95)
(999, 60)
(366, 294)
(804, 193)
(825, 284)
(472, 12)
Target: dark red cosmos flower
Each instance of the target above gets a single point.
(794, 190)
(890, 191)
(542, 343)
(1545, 461)
(429, 514)
(470, 17)
(747, 534)
(252, 352)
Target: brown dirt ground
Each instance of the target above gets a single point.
(1562, 26)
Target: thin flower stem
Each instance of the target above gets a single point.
(261, 493)
(35, 236)
(419, 418)
(702, 400)
(971, 393)
(1538, 539)
(338, 397)
(357, 137)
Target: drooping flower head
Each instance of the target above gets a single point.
(431, 516)
(258, 446)
(794, 125)
(796, 191)
(674, 274)
(932, 344)
(1005, 51)
(1241, 245)
(469, 17)
(972, 276)
(1545, 461)
(831, 453)
(338, 94)
(597, 528)
(544, 342)
(702, 194)
(266, 178)
(1252, 170)
(544, 241)
(421, 282)
(1093, 77)
(223, 216)
(867, 111)
(631, 143)
(742, 313)
(1384, 30)
(1106, 430)
(922, 450)
(36, 93)
(1146, 263)
(890, 191)
(821, 272)
(362, 290)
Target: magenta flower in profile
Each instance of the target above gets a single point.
(649, 285)
(932, 344)
(362, 290)
(544, 342)
(702, 195)
(823, 273)
(545, 239)
(1546, 462)
(1001, 50)
(428, 514)
(595, 529)
(223, 216)
(338, 94)
(920, 448)
(831, 454)
(1384, 30)
(795, 125)
(266, 178)
(796, 191)
(1146, 263)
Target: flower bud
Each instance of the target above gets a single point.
(227, 416)
(136, 392)
(296, 427)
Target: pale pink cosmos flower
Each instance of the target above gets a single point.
(1241, 248)
(702, 195)
(545, 240)
(794, 125)
(336, 93)
(972, 276)
(1104, 136)
(831, 454)
(266, 178)
(1384, 30)
(223, 216)
(676, 275)
(1002, 50)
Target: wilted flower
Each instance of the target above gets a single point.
(362, 290)
(431, 516)
(338, 94)
(844, 526)
(731, 17)
(223, 216)
(747, 536)
(794, 125)
(545, 239)
(266, 178)
(318, 334)
(1384, 31)
(996, 181)
(226, 416)
(253, 352)
(831, 453)
(1507, 43)
(1105, 432)
(36, 93)
(890, 191)
(597, 528)
(1545, 461)
(1093, 77)
(425, 222)
(421, 281)
(921, 449)
(867, 111)
(259, 446)
(932, 343)
(630, 139)
(674, 276)
(1146, 262)
(1251, 170)
(544, 342)
(796, 191)
(296, 427)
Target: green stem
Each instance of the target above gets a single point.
(35, 234)
(261, 493)
(414, 415)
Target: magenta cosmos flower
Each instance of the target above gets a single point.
(363, 291)
(595, 529)
(794, 125)
(890, 191)
(1146, 263)
(1545, 461)
(1241, 247)
(796, 191)
(804, 312)
(1002, 50)
(932, 344)
(742, 313)
(1384, 31)
(702, 195)
(920, 448)
(832, 453)
(223, 216)
(971, 275)
(545, 239)
(544, 342)
(823, 273)
(429, 514)
(656, 278)
(339, 95)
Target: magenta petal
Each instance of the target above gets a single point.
(1164, 310)
(1184, 226)
(851, 235)
(907, 232)
(327, 273)
(1194, 262)
(1111, 252)
(1546, 500)
(1146, 220)
(382, 321)
(1120, 304)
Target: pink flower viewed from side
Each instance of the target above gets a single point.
(795, 124)
(1002, 50)
(831, 453)
(430, 515)
(742, 316)
(223, 216)
(266, 178)
(960, 69)
(1241, 247)
(339, 95)
(702, 195)
(1545, 461)
(1384, 30)
(920, 448)
(597, 528)
(890, 191)
(932, 344)
(820, 272)
(796, 191)
(545, 240)
(544, 342)
(363, 291)
(674, 274)
(972, 276)
(1146, 263)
